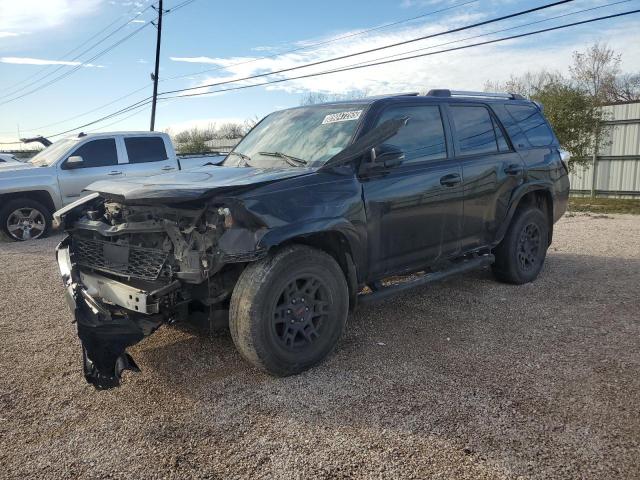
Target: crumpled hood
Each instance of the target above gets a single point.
(192, 184)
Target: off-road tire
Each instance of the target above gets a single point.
(259, 316)
(516, 263)
(18, 203)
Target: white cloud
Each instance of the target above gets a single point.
(32, 15)
(198, 60)
(466, 69)
(8, 34)
(137, 21)
(41, 61)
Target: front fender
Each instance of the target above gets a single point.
(348, 230)
(27, 180)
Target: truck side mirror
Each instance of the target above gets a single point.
(75, 161)
(386, 156)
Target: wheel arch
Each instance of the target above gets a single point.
(41, 196)
(538, 195)
(336, 243)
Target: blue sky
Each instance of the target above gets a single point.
(230, 37)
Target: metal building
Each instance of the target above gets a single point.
(617, 164)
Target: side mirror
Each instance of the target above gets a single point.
(386, 156)
(74, 161)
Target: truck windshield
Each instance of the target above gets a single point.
(299, 137)
(52, 153)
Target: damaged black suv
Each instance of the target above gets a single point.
(307, 217)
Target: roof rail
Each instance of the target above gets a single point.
(442, 92)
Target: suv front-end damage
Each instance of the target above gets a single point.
(128, 269)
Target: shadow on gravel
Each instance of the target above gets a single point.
(442, 329)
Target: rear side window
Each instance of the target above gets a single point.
(145, 149)
(474, 129)
(423, 136)
(98, 153)
(532, 123)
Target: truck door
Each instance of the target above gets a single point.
(414, 210)
(491, 169)
(99, 162)
(147, 155)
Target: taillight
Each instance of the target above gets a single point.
(564, 158)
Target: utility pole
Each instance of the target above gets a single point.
(154, 76)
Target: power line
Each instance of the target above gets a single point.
(87, 112)
(305, 47)
(326, 42)
(180, 5)
(100, 54)
(136, 111)
(384, 47)
(376, 63)
(352, 67)
(173, 9)
(60, 67)
(77, 67)
(577, 12)
(144, 101)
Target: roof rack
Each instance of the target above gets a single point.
(443, 92)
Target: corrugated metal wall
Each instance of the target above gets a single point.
(618, 163)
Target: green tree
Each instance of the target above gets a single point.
(574, 116)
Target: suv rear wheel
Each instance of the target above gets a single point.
(288, 311)
(24, 219)
(521, 254)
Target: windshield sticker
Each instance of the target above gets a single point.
(342, 117)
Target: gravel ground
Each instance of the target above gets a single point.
(464, 379)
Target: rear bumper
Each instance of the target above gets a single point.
(105, 330)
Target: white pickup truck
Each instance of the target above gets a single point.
(30, 192)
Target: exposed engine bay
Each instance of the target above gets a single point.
(130, 268)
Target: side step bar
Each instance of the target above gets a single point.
(455, 269)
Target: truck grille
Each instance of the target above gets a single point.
(123, 260)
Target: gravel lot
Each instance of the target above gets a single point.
(464, 379)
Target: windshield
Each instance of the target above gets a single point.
(52, 153)
(307, 136)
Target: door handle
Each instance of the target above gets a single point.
(115, 172)
(513, 169)
(450, 180)
(168, 167)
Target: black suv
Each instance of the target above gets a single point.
(307, 217)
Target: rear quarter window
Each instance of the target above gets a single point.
(532, 123)
(145, 149)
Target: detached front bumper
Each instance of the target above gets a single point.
(105, 330)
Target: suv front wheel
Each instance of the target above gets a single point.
(288, 310)
(521, 254)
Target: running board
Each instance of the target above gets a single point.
(455, 269)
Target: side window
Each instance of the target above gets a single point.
(532, 124)
(145, 149)
(423, 136)
(474, 129)
(98, 153)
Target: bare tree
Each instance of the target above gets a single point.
(194, 140)
(595, 71)
(626, 88)
(527, 84)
